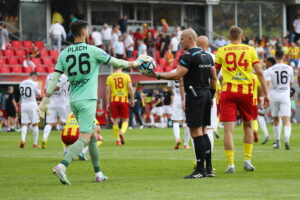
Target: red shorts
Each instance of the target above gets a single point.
(255, 112)
(231, 102)
(119, 110)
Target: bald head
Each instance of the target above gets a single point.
(188, 39)
(202, 41)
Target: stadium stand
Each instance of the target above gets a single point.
(11, 59)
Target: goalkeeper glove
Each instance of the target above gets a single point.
(43, 107)
(141, 59)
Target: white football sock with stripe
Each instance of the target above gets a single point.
(23, 133)
(263, 125)
(210, 134)
(187, 136)
(176, 131)
(47, 131)
(277, 132)
(287, 133)
(35, 131)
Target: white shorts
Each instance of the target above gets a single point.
(177, 112)
(264, 111)
(167, 110)
(29, 113)
(68, 109)
(55, 112)
(213, 115)
(157, 111)
(281, 108)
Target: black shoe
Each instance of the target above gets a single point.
(210, 172)
(196, 174)
(122, 139)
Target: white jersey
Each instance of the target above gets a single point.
(281, 76)
(58, 96)
(28, 91)
(175, 85)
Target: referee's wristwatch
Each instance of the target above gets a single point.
(158, 77)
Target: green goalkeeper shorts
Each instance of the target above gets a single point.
(85, 112)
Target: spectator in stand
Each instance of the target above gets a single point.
(34, 53)
(165, 42)
(142, 48)
(96, 38)
(28, 62)
(150, 43)
(169, 56)
(11, 109)
(115, 35)
(119, 49)
(123, 24)
(56, 33)
(294, 54)
(179, 30)
(165, 26)
(145, 30)
(137, 35)
(4, 40)
(296, 25)
(129, 44)
(73, 18)
(106, 33)
(220, 42)
(174, 44)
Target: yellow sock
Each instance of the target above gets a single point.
(255, 125)
(248, 151)
(116, 131)
(229, 154)
(124, 127)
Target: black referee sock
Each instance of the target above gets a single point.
(200, 149)
(208, 152)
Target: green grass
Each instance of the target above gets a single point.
(147, 168)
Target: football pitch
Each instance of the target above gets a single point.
(145, 168)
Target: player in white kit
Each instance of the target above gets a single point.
(29, 109)
(57, 106)
(280, 78)
(178, 115)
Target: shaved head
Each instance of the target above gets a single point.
(202, 41)
(188, 39)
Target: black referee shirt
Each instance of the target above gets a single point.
(198, 62)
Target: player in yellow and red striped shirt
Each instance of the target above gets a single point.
(236, 61)
(118, 86)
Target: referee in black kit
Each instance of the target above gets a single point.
(199, 77)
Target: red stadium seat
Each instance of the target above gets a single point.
(36, 61)
(47, 61)
(13, 61)
(8, 53)
(157, 54)
(159, 68)
(40, 69)
(179, 53)
(27, 44)
(16, 69)
(44, 52)
(39, 44)
(54, 60)
(20, 52)
(54, 53)
(168, 68)
(162, 61)
(16, 44)
(131, 59)
(134, 54)
(50, 68)
(1, 53)
(4, 70)
(2, 62)
(27, 69)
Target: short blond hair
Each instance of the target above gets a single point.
(235, 33)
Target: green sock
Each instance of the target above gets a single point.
(74, 151)
(94, 153)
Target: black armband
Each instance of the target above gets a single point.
(212, 93)
(158, 77)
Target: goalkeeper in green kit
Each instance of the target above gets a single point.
(81, 62)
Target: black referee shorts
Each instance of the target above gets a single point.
(198, 109)
(11, 112)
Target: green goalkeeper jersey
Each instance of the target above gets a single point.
(81, 63)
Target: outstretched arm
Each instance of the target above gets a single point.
(119, 63)
(52, 84)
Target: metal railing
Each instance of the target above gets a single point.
(17, 36)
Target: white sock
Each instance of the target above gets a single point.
(176, 131)
(187, 136)
(23, 133)
(287, 133)
(35, 131)
(47, 131)
(280, 127)
(152, 119)
(263, 125)
(85, 149)
(210, 134)
(65, 149)
(277, 132)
